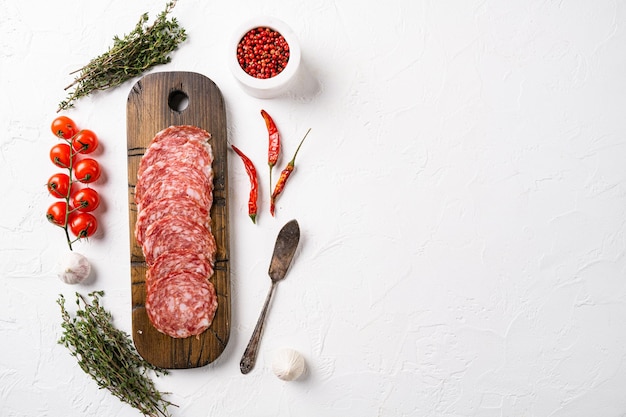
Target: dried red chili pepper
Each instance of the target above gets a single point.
(273, 150)
(254, 185)
(284, 175)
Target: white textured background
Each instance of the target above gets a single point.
(462, 201)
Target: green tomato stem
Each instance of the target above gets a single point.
(68, 210)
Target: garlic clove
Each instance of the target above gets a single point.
(288, 364)
(73, 268)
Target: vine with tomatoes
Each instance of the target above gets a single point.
(77, 200)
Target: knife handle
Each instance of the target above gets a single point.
(249, 355)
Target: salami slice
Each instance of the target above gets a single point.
(178, 185)
(182, 206)
(182, 304)
(180, 150)
(178, 233)
(183, 132)
(177, 261)
(166, 171)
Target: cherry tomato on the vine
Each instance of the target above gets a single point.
(85, 141)
(83, 224)
(56, 213)
(60, 155)
(63, 127)
(59, 185)
(85, 199)
(87, 170)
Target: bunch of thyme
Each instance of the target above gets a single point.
(140, 50)
(108, 355)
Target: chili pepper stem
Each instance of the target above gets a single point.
(271, 169)
(293, 160)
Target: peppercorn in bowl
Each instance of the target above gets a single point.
(264, 56)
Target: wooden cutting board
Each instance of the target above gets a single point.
(157, 101)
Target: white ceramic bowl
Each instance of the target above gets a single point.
(267, 87)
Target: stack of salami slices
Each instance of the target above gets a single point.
(174, 194)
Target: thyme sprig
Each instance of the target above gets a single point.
(108, 355)
(138, 51)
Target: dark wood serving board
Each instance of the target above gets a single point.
(157, 101)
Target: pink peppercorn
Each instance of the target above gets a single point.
(263, 52)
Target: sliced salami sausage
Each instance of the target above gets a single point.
(166, 171)
(182, 304)
(179, 150)
(181, 206)
(178, 185)
(178, 233)
(183, 132)
(177, 261)
(174, 195)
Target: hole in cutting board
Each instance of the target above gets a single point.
(178, 100)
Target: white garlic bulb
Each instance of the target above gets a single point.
(73, 268)
(288, 364)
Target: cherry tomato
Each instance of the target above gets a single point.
(85, 141)
(63, 127)
(59, 185)
(86, 199)
(87, 170)
(83, 224)
(60, 155)
(56, 213)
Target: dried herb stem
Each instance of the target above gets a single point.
(144, 47)
(108, 355)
